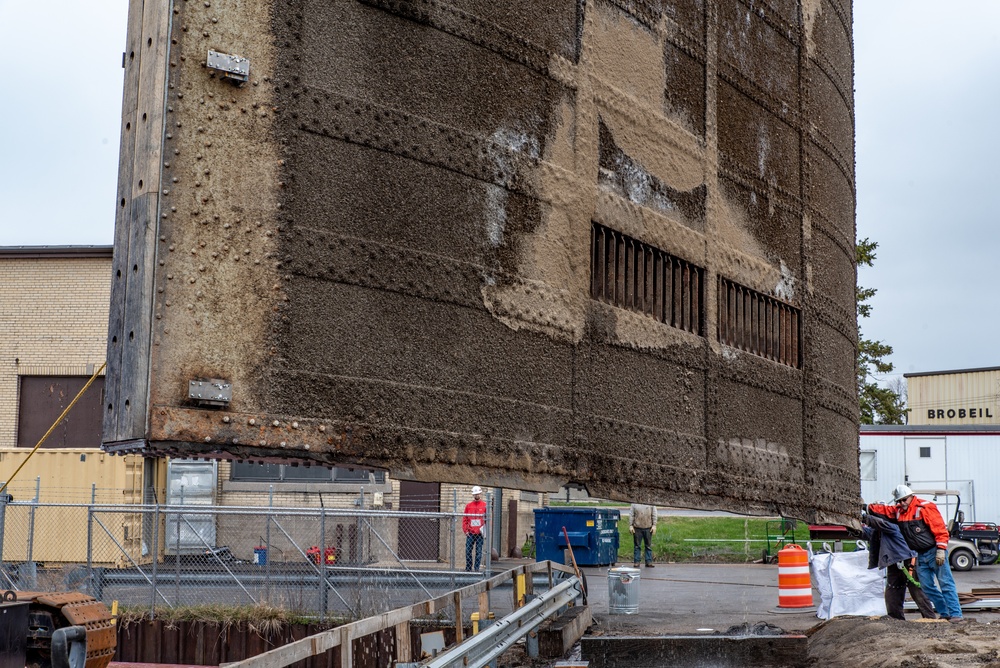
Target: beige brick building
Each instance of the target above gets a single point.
(53, 334)
(53, 320)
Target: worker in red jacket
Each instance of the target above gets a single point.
(473, 523)
(926, 533)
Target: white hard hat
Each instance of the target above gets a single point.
(476, 489)
(900, 493)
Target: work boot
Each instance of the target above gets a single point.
(649, 564)
(635, 564)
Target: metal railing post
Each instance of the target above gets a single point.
(488, 530)
(30, 562)
(90, 539)
(454, 530)
(3, 522)
(362, 550)
(488, 550)
(155, 558)
(530, 640)
(31, 519)
(483, 624)
(321, 558)
(177, 554)
(267, 545)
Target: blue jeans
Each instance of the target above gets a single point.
(943, 594)
(473, 540)
(640, 536)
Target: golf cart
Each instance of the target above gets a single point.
(969, 543)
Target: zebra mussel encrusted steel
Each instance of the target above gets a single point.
(398, 245)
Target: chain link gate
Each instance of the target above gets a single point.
(321, 562)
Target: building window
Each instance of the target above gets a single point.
(925, 451)
(868, 465)
(759, 324)
(632, 275)
(42, 399)
(253, 472)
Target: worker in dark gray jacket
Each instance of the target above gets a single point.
(890, 551)
(642, 526)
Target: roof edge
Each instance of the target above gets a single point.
(46, 252)
(930, 428)
(951, 371)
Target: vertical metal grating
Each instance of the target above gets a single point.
(759, 324)
(632, 275)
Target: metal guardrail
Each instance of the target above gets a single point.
(479, 650)
(399, 619)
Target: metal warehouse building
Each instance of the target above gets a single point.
(959, 397)
(952, 441)
(962, 458)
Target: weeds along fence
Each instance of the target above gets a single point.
(319, 562)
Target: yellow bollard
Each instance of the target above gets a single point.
(475, 621)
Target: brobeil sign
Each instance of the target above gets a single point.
(940, 413)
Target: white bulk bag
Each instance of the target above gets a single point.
(846, 586)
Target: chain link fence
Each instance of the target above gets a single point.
(319, 562)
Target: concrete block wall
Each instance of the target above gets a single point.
(53, 321)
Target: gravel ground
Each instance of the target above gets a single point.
(859, 642)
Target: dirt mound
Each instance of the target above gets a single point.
(882, 642)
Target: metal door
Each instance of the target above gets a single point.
(926, 469)
(496, 536)
(924, 463)
(42, 400)
(190, 482)
(132, 522)
(419, 538)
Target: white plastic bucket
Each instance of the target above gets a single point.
(623, 591)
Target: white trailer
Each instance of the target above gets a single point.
(962, 458)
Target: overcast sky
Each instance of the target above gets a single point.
(927, 97)
(60, 105)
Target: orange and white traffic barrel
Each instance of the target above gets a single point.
(794, 583)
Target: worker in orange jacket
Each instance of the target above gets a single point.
(926, 533)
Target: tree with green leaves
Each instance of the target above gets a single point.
(879, 405)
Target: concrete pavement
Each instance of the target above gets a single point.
(706, 598)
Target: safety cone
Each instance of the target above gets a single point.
(794, 583)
